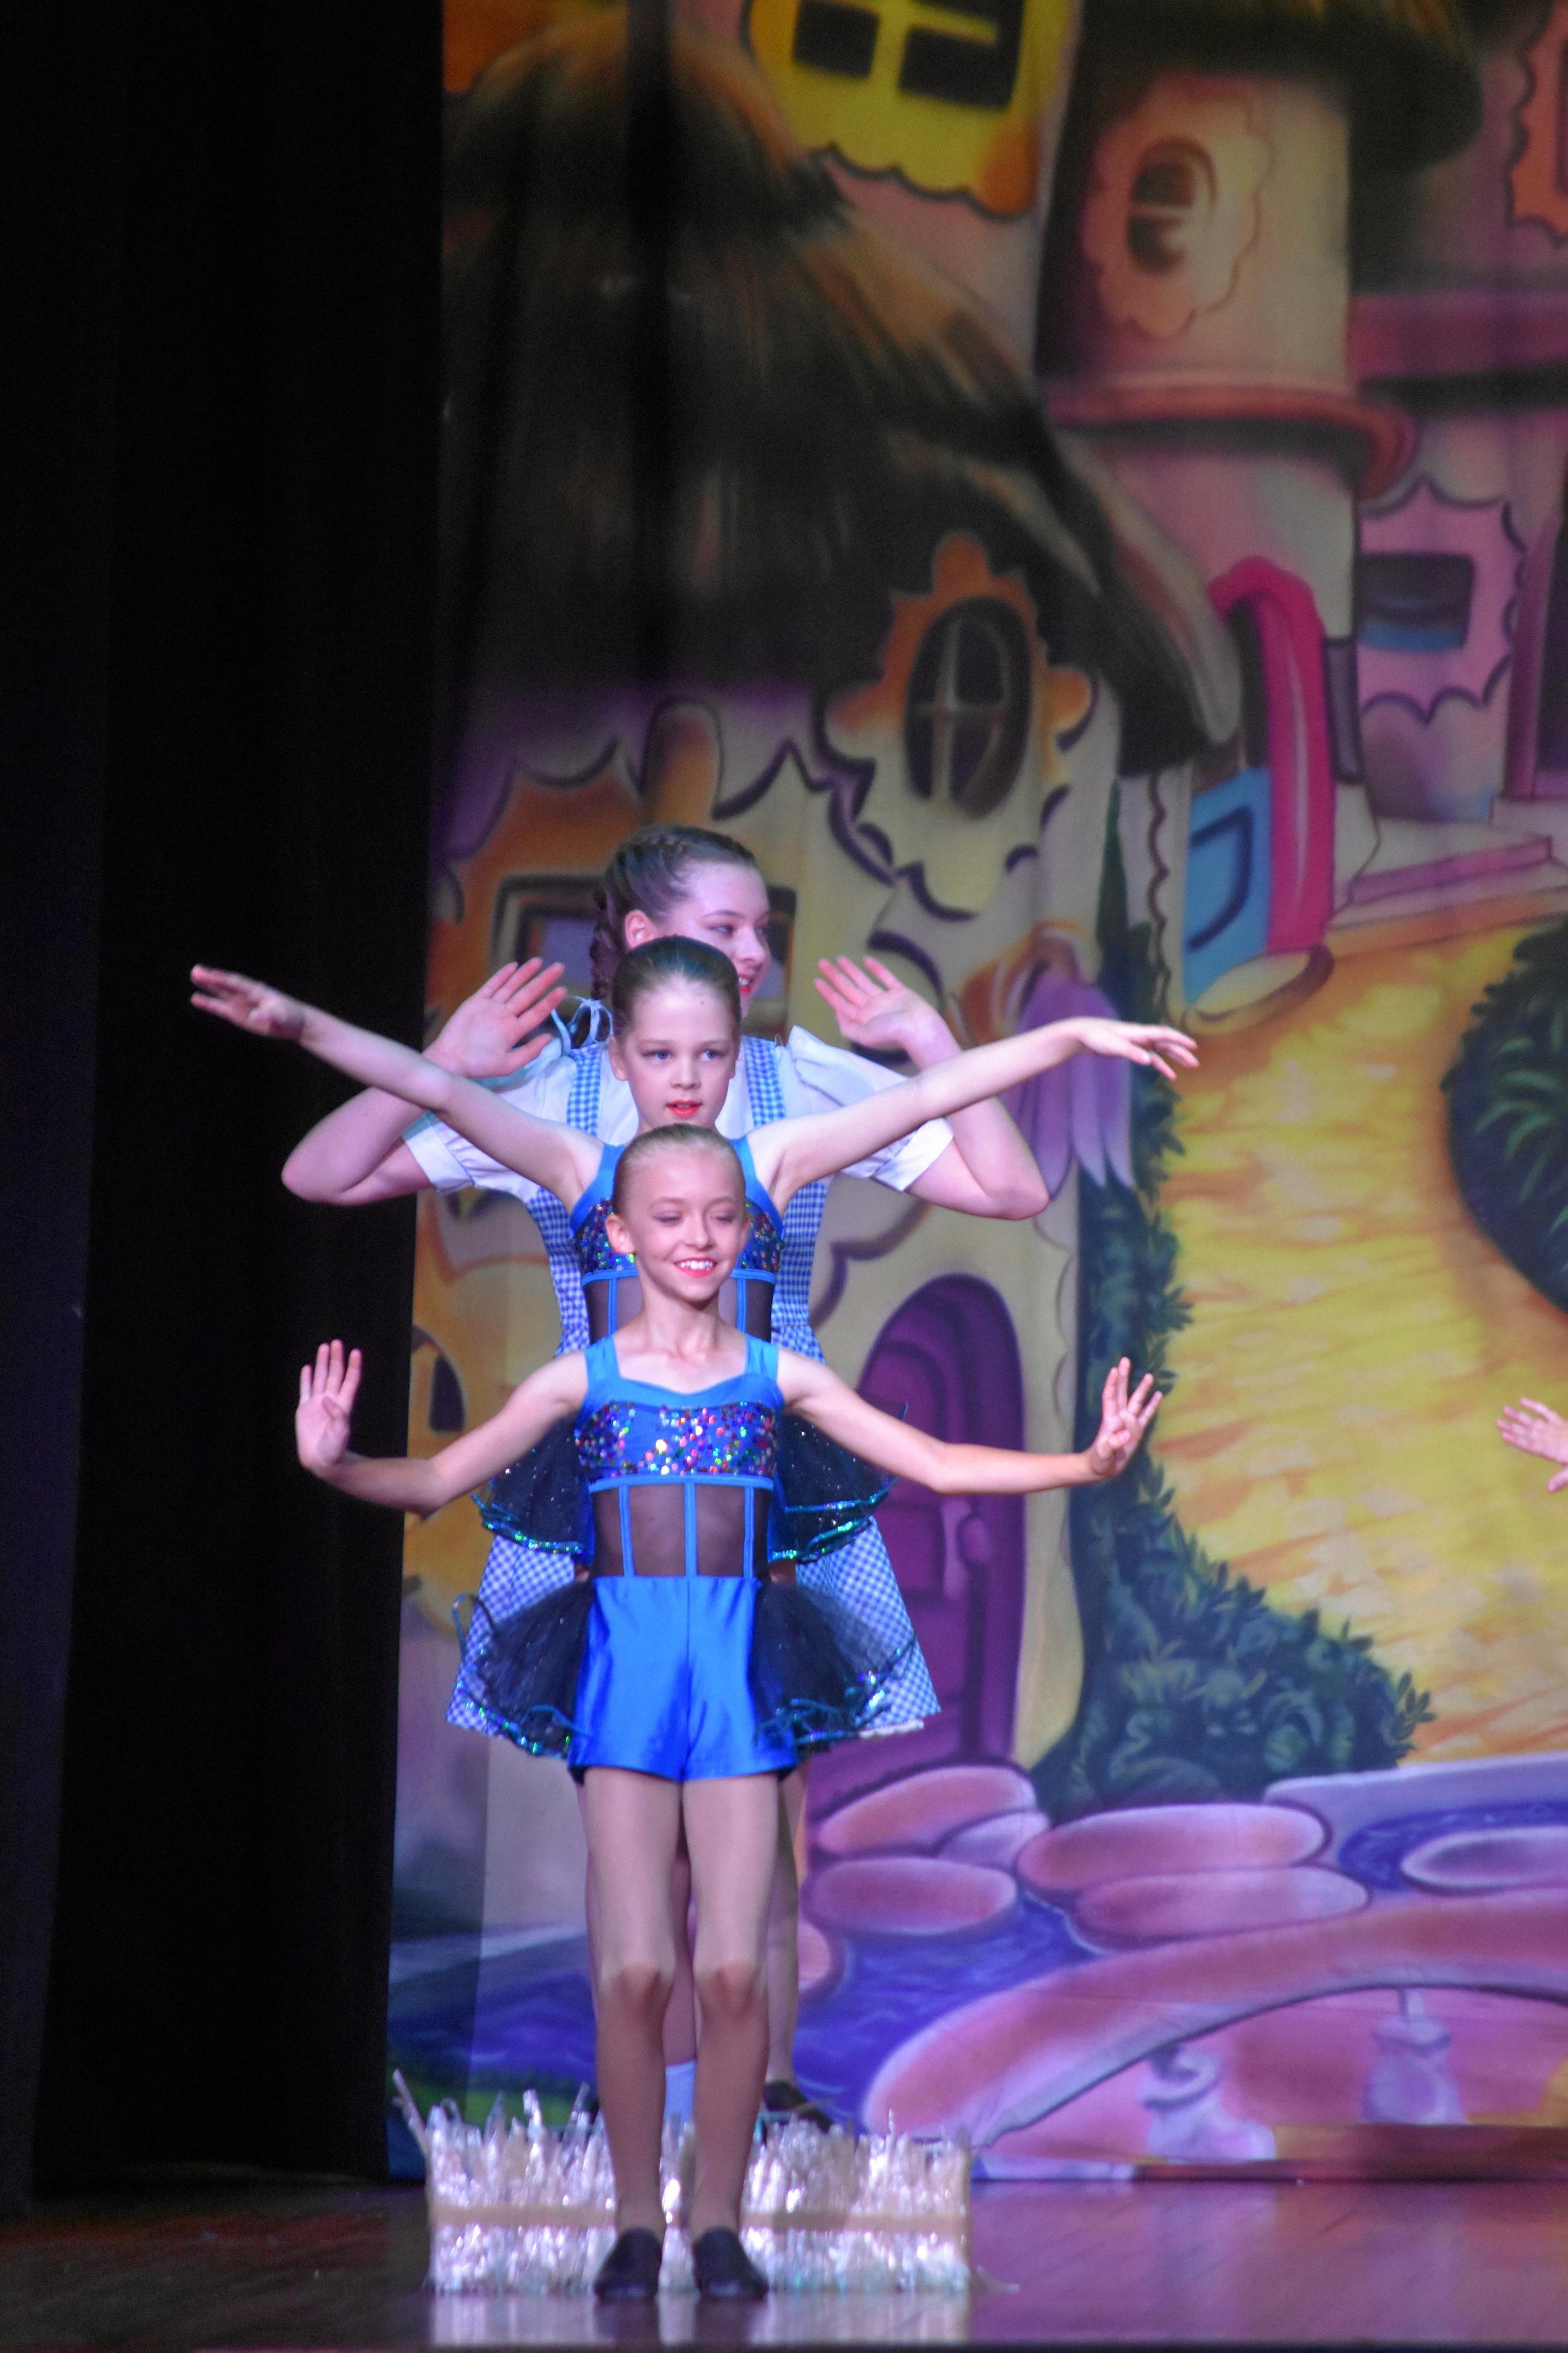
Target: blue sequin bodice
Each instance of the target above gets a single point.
(632, 1436)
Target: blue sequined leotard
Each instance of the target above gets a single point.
(681, 1654)
(680, 1488)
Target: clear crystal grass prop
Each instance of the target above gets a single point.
(520, 2208)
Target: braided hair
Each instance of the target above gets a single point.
(648, 874)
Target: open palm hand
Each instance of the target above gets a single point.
(504, 1026)
(322, 1417)
(874, 1008)
(1125, 1417)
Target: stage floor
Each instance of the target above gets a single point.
(1085, 2262)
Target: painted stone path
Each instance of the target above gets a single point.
(1353, 1337)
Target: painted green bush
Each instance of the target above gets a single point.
(1508, 1112)
(1195, 1686)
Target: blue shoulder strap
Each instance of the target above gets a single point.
(604, 1369)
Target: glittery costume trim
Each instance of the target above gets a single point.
(627, 1441)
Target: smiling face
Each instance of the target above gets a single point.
(681, 1209)
(723, 904)
(678, 1054)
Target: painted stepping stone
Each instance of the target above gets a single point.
(917, 1813)
(908, 1895)
(998, 1840)
(1152, 1909)
(1465, 1862)
(1161, 1840)
(821, 1959)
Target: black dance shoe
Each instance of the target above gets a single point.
(783, 2102)
(629, 2273)
(723, 2270)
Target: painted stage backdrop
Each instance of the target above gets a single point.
(1079, 491)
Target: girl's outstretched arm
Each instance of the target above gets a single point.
(1534, 1428)
(357, 1153)
(987, 1170)
(543, 1150)
(819, 1396)
(423, 1483)
(789, 1153)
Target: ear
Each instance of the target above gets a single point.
(613, 1056)
(619, 1236)
(638, 929)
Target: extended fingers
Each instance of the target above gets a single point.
(1172, 1041)
(534, 980)
(846, 974)
(845, 1005)
(227, 994)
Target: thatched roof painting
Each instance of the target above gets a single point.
(704, 417)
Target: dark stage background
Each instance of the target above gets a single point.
(217, 721)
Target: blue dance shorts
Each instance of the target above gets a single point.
(664, 1689)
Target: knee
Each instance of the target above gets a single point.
(731, 1991)
(636, 1989)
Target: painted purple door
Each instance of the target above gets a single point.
(949, 1354)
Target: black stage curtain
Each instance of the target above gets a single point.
(233, 415)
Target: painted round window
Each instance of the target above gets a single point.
(967, 720)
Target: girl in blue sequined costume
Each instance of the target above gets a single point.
(672, 1666)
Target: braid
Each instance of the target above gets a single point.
(648, 875)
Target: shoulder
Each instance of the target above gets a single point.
(565, 1376)
(794, 1375)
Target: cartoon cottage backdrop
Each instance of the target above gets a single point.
(1108, 550)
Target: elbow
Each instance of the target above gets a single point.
(1024, 1199)
(937, 1472)
(302, 1181)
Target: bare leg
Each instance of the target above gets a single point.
(732, 1832)
(783, 1924)
(633, 1821)
(680, 2017)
